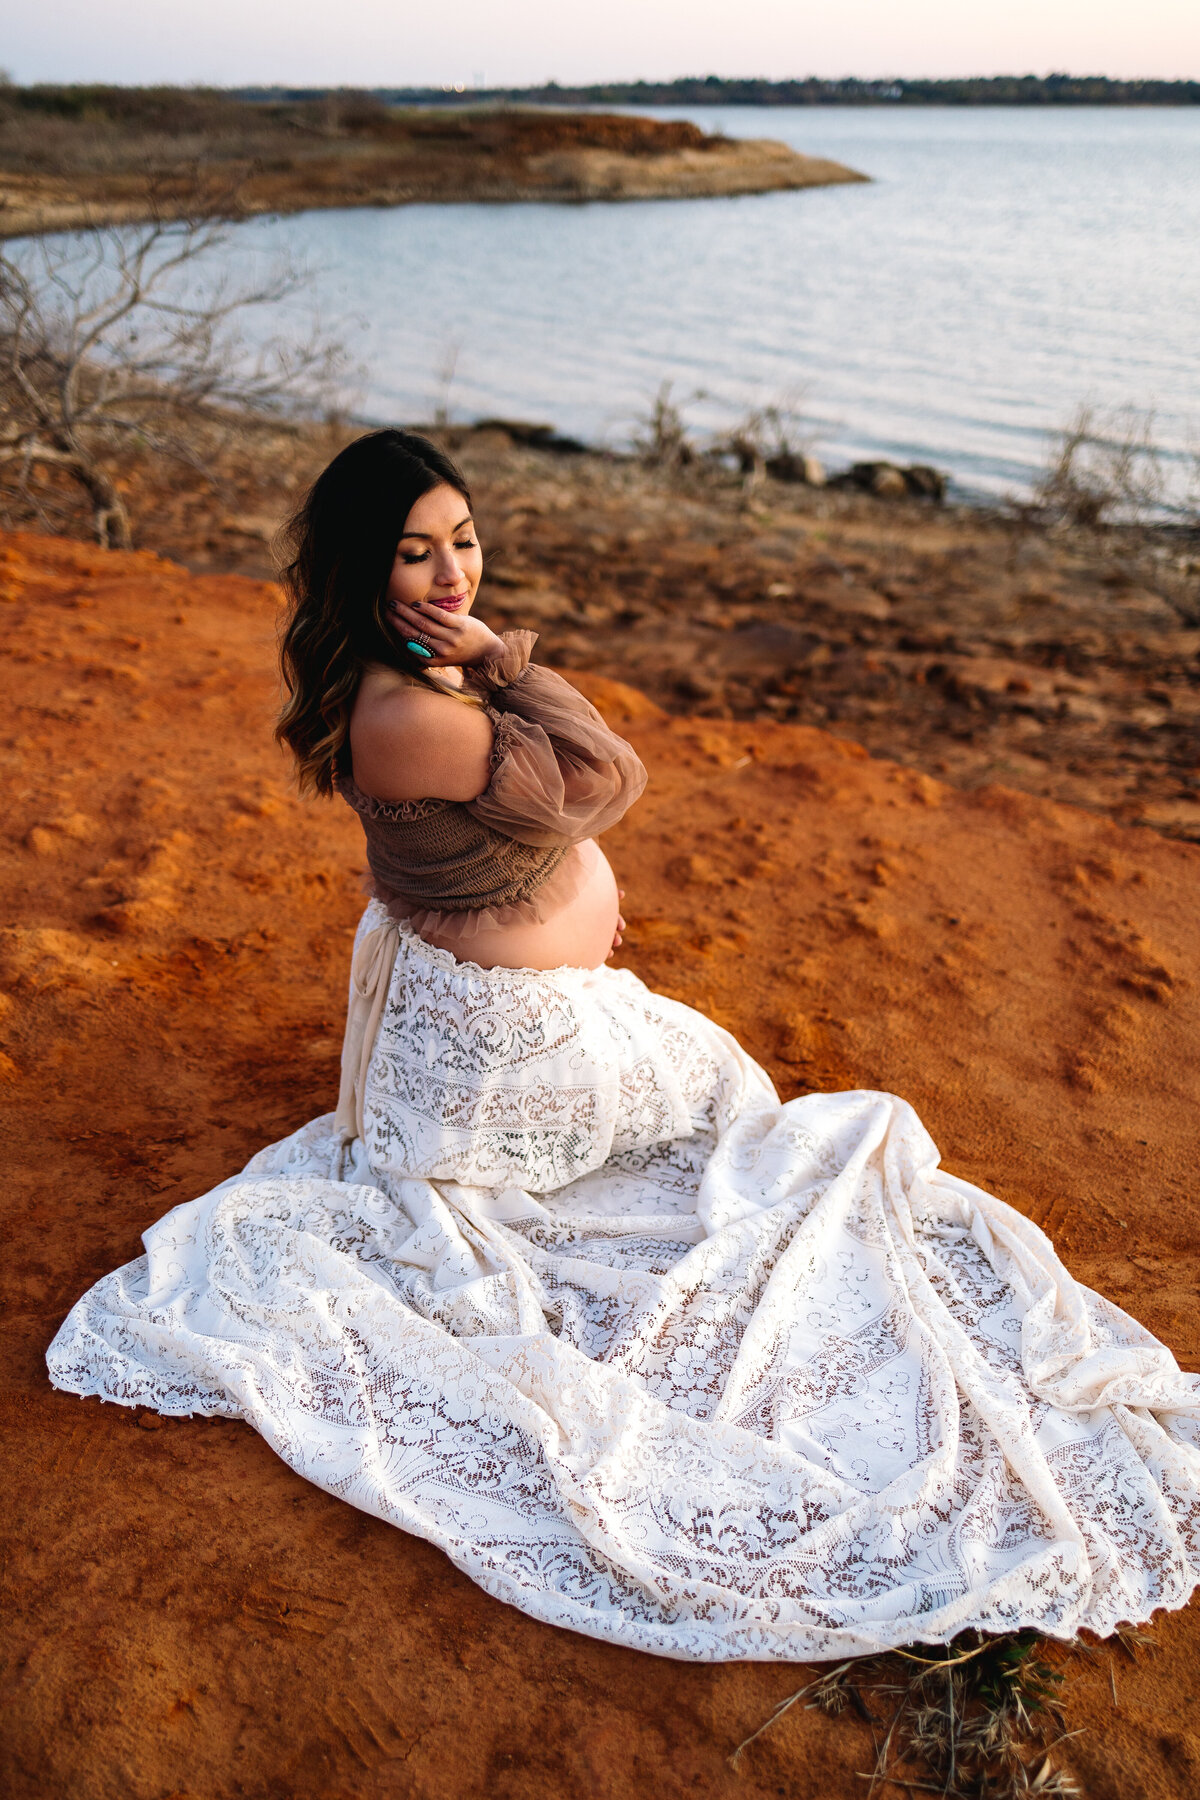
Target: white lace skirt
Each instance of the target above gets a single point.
(652, 1356)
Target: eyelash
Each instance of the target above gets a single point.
(459, 544)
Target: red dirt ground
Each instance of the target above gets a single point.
(185, 1619)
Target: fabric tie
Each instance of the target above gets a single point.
(370, 979)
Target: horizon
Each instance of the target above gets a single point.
(883, 80)
(298, 43)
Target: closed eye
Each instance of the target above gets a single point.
(420, 556)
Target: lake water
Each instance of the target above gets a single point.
(1004, 266)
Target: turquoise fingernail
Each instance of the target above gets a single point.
(418, 649)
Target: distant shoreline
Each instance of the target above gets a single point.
(73, 158)
(715, 90)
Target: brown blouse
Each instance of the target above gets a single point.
(559, 776)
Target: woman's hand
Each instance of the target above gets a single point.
(616, 943)
(458, 640)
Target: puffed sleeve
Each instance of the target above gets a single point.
(558, 773)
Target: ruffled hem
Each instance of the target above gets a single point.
(368, 807)
(502, 670)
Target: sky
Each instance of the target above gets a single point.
(386, 43)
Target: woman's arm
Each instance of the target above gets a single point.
(558, 772)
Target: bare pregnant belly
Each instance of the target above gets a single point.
(579, 934)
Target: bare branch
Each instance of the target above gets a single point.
(119, 340)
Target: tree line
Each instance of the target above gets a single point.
(989, 90)
(177, 111)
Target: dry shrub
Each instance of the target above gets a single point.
(122, 343)
(1103, 468)
(766, 434)
(763, 435)
(661, 437)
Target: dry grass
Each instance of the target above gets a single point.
(107, 130)
(978, 1719)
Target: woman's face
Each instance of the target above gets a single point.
(438, 560)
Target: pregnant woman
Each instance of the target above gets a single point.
(562, 1286)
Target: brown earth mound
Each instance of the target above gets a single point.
(118, 155)
(184, 1617)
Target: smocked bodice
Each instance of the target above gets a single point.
(439, 853)
(558, 777)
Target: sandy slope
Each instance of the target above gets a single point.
(972, 645)
(185, 1617)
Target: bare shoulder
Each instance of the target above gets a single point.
(411, 743)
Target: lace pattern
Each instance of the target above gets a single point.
(655, 1357)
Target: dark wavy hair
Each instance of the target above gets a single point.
(341, 544)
